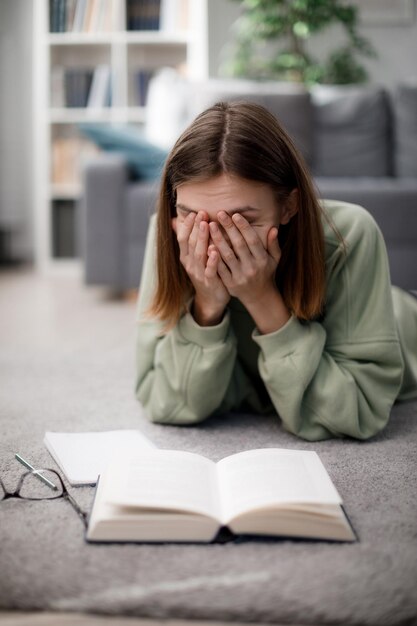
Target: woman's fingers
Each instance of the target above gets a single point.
(227, 253)
(273, 246)
(238, 242)
(212, 263)
(183, 230)
(200, 250)
(224, 272)
(247, 233)
(193, 238)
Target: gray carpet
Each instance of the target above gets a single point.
(66, 363)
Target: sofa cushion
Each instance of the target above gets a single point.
(351, 131)
(392, 203)
(167, 112)
(145, 160)
(289, 102)
(405, 130)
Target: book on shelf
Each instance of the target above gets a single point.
(80, 16)
(79, 87)
(168, 495)
(70, 8)
(143, 14)
(77, 83)
(142, 78)
(100, 91)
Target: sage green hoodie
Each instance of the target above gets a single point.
(336, 377)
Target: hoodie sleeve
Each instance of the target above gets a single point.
(182, 376)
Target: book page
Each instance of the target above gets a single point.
(83, 456)
(164, 480)
(271, 476)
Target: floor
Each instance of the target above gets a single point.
(71, 619)
(49, 312)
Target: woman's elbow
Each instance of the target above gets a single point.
(166, 412)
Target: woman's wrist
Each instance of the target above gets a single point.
(206, 315)
(269, 312)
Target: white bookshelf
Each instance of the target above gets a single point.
(125, 52)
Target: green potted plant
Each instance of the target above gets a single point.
(271, 42)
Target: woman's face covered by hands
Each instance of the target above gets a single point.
(227, 231)
(218, 199)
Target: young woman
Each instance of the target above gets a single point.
(255, 296)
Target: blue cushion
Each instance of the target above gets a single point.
(144, 159)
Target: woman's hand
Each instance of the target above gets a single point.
(247, 269)
(200, 260)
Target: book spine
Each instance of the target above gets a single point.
(77, 87)
(62, 18)
(142, 85)
(79, 16)
(156, 21)
(54, 9)
(103, 16)
(143, 15)
(71, 6)
(99, 92)
(168, 15)
(87, 16)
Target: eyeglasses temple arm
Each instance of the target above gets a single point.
(76, 507)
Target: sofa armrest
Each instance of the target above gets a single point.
(103, 216)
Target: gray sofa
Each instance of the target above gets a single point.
(360, 143)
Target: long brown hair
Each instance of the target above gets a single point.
(243, 139)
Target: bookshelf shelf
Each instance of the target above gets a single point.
(150, 38)
(79, 39)
(77, 116)
(140, 37)
(90, 65)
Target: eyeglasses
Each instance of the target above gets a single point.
(42, 484)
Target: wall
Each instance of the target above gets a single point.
(16, 124)
(221, 15)
(396, 45)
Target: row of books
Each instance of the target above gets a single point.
(80, 16)
(92, 16)
(165, 15)
(81, 87)
(91, 88)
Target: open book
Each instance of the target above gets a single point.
(167, 495)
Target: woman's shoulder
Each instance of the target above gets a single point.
(347, 225)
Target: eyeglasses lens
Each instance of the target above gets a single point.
(34, 488)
